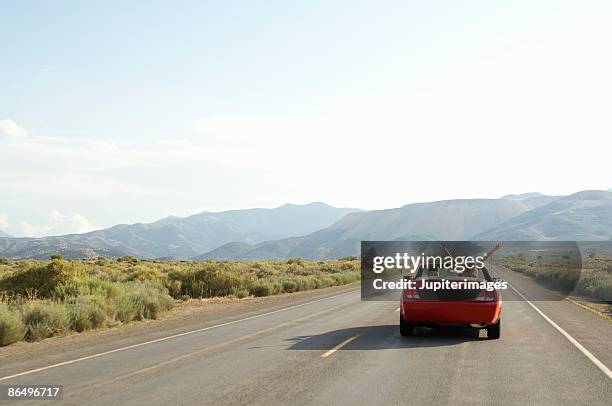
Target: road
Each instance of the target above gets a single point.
(331, 348)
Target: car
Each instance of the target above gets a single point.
(420, 305)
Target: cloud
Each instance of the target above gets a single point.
(4, 224)
(10, 129)
(53, 222)
(501, 123)
(67, 224)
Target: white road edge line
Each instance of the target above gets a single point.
(571, 339)
(336, 348)
(4, 378)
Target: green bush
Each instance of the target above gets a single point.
(125, 310)
(262, 289)
(561, 279)
(144, 273)
(44, 320)
(297, 261)
(43, 279)
(129, 259)
(208, 281)
(593, 280)
(290, 286)
(324, 282)
(240, 293)
(142, 302)
(595, 284)
(90, 286)
(78, 295)
(12, 328)
(85, 313)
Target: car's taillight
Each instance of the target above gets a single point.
(486, 296)
(411, 294)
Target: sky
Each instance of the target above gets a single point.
(124, 112)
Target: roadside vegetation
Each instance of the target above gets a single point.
(594, 281)
(40, 299)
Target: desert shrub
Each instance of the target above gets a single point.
(324, 282)
(277, 287)
(297, 261)
(221, 283)
(345, 278)
(12, 328)
(85, 313)
(347, 266)
(595, 284)
(140, 302)
(43, 279)
(129, 259)
(594, 281)
(125, 310)
(262, 289)
(241, 293)
(561, 279)
(174, 287)
(45, 319)
(351, 258)
(307, 282)
(4, 261)
(101, 261)
(604, 292)
(144, 273)
(208, 281)
(89, 286)
(290, 286)
(85, 294)
(56, 256)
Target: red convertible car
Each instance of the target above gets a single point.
(478, 308)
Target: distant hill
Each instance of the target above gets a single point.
(40, 248)
(5, 235)
(583, 216)
(445, 220)
(534, 199)
(231, 250)
(175, 237)
(523, 196)
(318, 231)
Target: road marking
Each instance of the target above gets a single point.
(81, 388)
(336, 348)
(397, 310)
(101, 354)
(594, 311)
(571, 339)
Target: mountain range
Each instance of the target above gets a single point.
(585, 216)
(582, 216)
(319, 231)
(181, 237)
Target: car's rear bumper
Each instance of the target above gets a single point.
(454, 312)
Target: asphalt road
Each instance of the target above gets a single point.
(331, 348)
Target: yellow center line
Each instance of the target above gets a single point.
(336, 348)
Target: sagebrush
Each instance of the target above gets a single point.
(40, 299)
